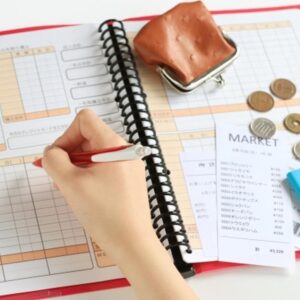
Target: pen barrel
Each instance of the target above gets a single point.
(81, 158)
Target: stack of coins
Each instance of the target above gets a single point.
(262, 102)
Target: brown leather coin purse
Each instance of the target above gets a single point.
(186, 46)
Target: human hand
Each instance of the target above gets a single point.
(111, 202)
(109, 199)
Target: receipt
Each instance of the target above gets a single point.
(253, 207)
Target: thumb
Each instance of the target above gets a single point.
(57, 164)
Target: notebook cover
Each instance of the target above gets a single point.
(116, 283)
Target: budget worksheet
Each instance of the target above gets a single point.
(46, 77)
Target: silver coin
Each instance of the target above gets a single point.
(296, 150)
(263, 128)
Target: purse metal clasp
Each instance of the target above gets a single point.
(214, 74)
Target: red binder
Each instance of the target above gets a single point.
(104, 285)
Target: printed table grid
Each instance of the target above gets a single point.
(31, 85)
(37, 226)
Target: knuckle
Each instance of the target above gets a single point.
(86, 114)
(49, 154)
(86, 118)
(48, 158)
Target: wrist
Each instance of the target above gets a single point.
(150, 270)
(123, 245)
(129, 250)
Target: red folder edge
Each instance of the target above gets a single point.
(117, 283)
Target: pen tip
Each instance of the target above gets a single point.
(37, 163)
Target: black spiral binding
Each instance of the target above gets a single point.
(131, 99)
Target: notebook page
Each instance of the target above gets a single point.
(46, 77)
(269, 49)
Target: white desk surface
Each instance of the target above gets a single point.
(234, 284)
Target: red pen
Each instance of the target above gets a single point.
(121, 153)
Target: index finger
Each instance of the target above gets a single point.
(90, 132)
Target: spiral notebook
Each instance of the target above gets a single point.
(51, 74)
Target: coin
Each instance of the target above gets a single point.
(283, 88)
(263, 128)
(296, 150)
(260, 101)
(292, 122)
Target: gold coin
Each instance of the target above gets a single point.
(283, 88)
(260, 101)
(292, 122)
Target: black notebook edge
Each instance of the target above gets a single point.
(131, 100)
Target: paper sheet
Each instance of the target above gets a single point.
(200, 175)
(254, 208)
(46, 77)
(269, 49)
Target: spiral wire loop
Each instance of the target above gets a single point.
(131, 99)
